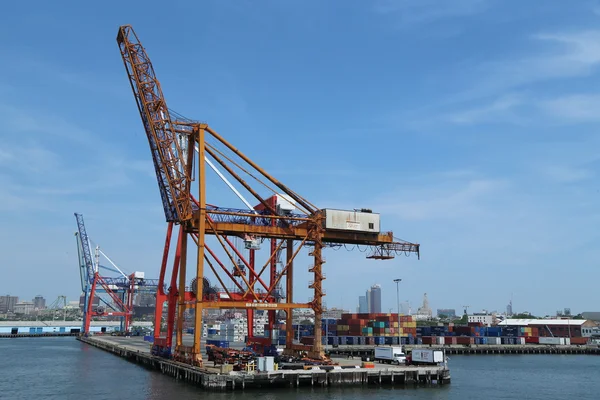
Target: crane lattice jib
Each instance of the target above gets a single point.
(85, 247)
(169, 150)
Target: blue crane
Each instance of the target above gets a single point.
(88, 269)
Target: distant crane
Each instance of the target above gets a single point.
(120, 289)
(466, 309)
(57, 305)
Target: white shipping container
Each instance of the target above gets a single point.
(494, 340)
(269, 363)
(440, 340)
(351, 220)
(428, 356)
(520, 340)
(551, 340)
(567, 341)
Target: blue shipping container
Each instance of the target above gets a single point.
(31, 330)
(39, 330)
(219, 343)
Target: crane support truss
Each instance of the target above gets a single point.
(168, 152)
(243, 283)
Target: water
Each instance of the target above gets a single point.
(63, 368)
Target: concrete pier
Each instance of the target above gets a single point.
(29, 335)
(367, 351)
(136, 350)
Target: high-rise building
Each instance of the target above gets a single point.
(363, 305)
(8, 303)
(39, 302)
(375, 295)
(509, 310)
(368, 296)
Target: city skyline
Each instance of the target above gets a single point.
(452, 106)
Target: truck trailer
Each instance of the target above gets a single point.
(390, 355)
(426, 356)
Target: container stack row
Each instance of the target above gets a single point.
(374, 325)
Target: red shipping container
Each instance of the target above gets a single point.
(579, 340)
(464, 340)
(532, 339)
(450, 340)
(428, 340)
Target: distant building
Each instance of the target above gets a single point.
(509, 309)
(7, 304)
(555, 327)
(39, 303)
(405, 308)
(448, 312)
(368, 296)
(363, 305)
(485, 319)
(375, 303)
(333, 313)
(24, 307)
(95, 304)
(424, 312)
(589, 331)
(145, 299)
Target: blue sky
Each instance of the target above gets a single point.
(470, 125)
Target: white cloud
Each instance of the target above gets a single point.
(569, 55)
(573, 108)
(500, 108)
(452, 199)
(423, 11)
(566, 174)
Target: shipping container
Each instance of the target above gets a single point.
(551, 340)
(579, 340)
(427, 356)
(428, 340)
(532, 340)
(351, 220)
(508, 340)
(494, 340)
(464, 340)
(218, 343)
(520, 340)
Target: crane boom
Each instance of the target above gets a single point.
(168, 145)
(85, 247)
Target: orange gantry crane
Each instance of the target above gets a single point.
(182, 149)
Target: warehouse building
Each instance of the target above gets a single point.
(554, 327)
(16, 327)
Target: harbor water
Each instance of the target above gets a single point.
(63, 368)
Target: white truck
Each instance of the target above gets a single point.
(390, 355)
(426, 356)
